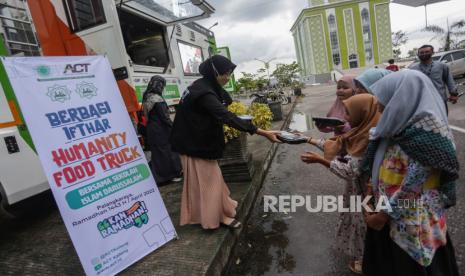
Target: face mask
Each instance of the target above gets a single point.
(424, 57)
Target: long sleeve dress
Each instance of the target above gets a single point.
(351, 227)
(415, 240)
(165, 164)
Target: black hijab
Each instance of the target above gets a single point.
(155, 86)
(214, 66)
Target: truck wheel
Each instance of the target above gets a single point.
(4, 212)
(10, 212)
(36, 205)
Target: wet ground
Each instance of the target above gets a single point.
(37, 243)
(301, 243)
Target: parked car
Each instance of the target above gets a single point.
(455, 59)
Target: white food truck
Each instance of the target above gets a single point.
(141, 38)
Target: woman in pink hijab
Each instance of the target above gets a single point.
(345, 90)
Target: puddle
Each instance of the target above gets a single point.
(264, 244)
(301, 122)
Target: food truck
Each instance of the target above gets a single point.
(141, 38)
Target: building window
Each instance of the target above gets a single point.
(366, 31)
(334, 40)
(84, 14)
(16, 29)
(337, 58)
(353, 61)
(332, 22)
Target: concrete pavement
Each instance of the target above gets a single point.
(40, 245)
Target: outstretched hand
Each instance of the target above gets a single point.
(271, 135)
(311, 157)
(453, 99)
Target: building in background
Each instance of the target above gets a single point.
(341, 34)
(16, 28)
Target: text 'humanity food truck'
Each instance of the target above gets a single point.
(141, 38)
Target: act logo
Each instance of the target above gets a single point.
(86, 90)
(59, 93)
(43, 71)
(136, 216)
(76, 68)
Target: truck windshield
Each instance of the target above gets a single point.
(144, 40)
(170, 11)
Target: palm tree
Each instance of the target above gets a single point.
(448, 37)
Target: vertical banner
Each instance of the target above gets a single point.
(92, 158)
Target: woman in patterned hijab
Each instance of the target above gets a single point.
(165, 164)
(413, 164)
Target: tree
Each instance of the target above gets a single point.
(284, 73)
(412, 53)
(449, 37)
(399, 38)
(247, 81)
(261, 82)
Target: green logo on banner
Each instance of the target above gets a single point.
(86, 90)
(136, 216)
(59, 93)
(43, 70)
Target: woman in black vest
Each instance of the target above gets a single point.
(198, 136)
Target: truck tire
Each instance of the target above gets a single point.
(41, 203)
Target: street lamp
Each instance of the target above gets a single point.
(267, 66)
(215, 24)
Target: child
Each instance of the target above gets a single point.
(343, 156)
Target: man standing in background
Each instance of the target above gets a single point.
(439, 74)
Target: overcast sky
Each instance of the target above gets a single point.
(261, 28)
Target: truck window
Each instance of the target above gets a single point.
(191, 57)
(144, 40)
(84, 14)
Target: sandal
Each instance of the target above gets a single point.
(356, 267)
(234, 224)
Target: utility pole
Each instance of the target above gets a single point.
(267, 66)
(426, 13)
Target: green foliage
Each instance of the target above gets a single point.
(285, 73)
(237, 108)
(247, 81)
(450, 37)
(261, 114)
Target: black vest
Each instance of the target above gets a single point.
(195, 132)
